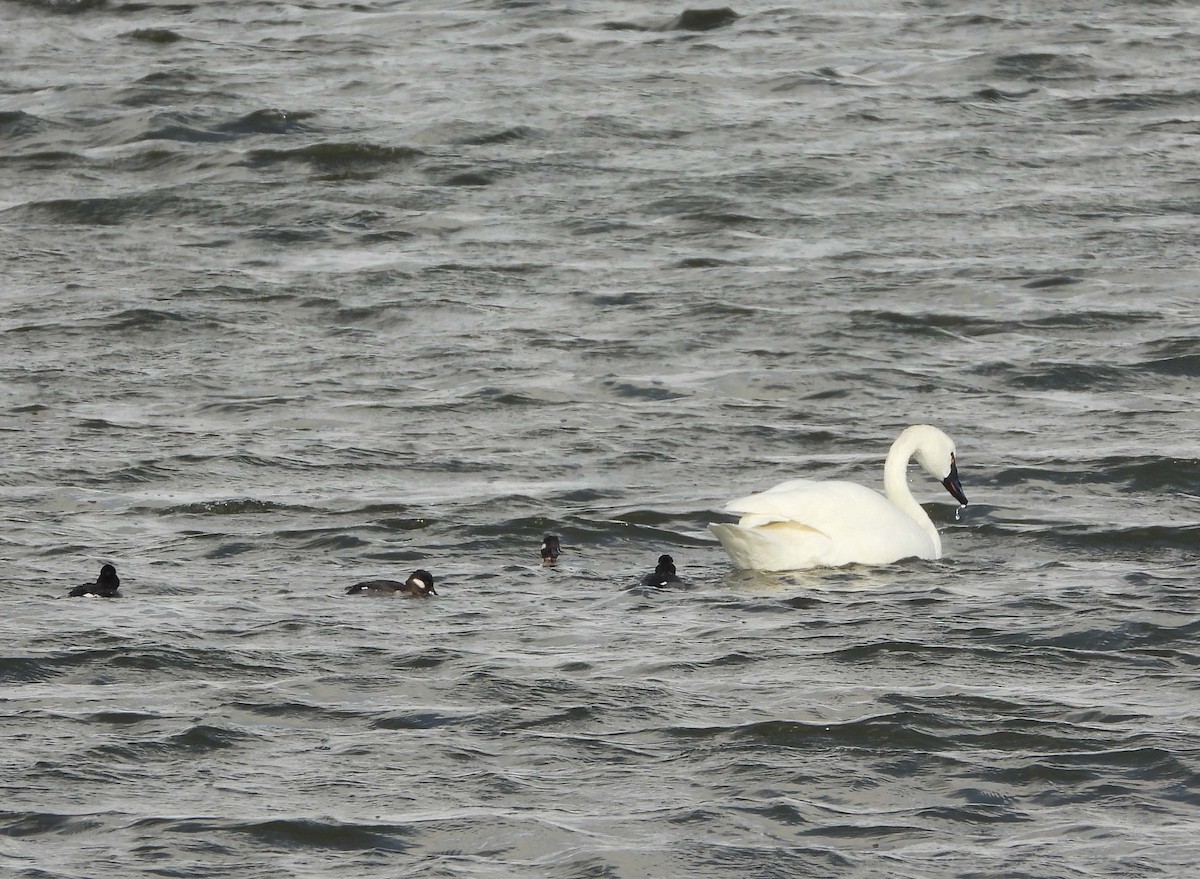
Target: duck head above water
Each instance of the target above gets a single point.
(551, 547)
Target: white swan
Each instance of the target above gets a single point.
(804, 523)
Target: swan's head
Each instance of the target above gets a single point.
(935, 452)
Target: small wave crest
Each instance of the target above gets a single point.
(289, 833)
(337, 160)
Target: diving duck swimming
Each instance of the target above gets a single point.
(663, 574)
(551, 547)
(418, 585)
(106, 586)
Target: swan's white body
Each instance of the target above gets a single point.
(804, 523)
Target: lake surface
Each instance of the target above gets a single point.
(296, 296)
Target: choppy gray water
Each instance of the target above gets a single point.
(300, 295)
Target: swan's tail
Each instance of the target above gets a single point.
(738, 542)
(782, 546)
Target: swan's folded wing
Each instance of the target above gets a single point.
(776, 546)
(760, 520)
(817, 505)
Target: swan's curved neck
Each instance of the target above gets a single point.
(895, 486)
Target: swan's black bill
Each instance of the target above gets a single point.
(953, 485)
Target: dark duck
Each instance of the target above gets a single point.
(664, 574)
(106, 586)
(551, 547)
(418, 585)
